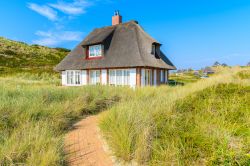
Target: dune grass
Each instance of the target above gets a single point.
(18, 57)
(203, 123)
(185, 77)
(36, 113)
(206, 122)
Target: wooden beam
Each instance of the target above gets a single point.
(107, 76)
(158, 76)
(152, 70)
(164, 75)
(100, 77)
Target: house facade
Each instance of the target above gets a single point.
(121, 55)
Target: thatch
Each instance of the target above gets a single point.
(125, 45)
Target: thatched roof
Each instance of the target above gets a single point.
(125, 45)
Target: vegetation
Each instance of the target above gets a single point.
(16, 57)
(35, 114)
(245, 74)
(206, 122)
(188, 77)
(203, 123)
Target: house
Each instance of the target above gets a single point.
(121, 54)
(208, 70)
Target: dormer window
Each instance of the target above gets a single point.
(95, 51)
(153, 49)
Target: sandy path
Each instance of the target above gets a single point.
(83, 146)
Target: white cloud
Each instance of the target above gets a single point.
(44, 11)
(75, 8)
(51, 38)
(67, 10)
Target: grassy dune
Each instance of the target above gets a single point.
(35, 114)
(185, 78)
(203, 123)
(206, 122)
(16, 57)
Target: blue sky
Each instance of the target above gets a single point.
(194, 33)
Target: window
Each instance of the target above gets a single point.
(112, 77)
(77, 77)
(153, 49)
(162, 76)
(119, 77)
(126, 77)
(148, 75)
(73, 77)
(95, 77)
(95, 51)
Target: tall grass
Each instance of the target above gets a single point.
(35, 114)
(204, 123)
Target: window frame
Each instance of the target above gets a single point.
(73, 77)
(95, 77)
(96, 52)
(148, 77)
(119, 77)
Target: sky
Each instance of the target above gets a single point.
(193, 33)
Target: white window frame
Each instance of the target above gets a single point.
(119, 77)
(73, 77)
(97, 77)
(95, 51)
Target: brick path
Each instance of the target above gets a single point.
(83, 146)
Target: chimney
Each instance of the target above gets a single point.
(116, 19)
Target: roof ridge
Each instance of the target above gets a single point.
(114, 26)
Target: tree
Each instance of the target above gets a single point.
(216, 64)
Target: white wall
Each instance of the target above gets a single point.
(104, 77)
(84, 77)
(64, 78)
(133, 78)
(142, 77)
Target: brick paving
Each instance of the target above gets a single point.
(83, 146)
